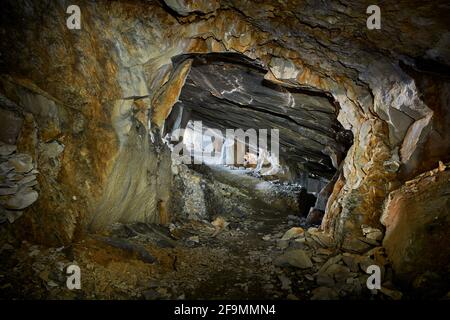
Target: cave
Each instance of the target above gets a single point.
(206, 150)
(302, 142)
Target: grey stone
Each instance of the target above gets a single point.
(324, 293)
(285, 282)
(8, 190)
(293, 233)
(356, 245)
(331, 261)
(294, 258)
(351, 261)
(21, 200)
(325, 280)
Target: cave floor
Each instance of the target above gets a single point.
(231, 257)
(195, 259)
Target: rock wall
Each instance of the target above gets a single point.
(97, 92)
(204, 193)
(417, 220)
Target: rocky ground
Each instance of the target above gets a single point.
(265, 254)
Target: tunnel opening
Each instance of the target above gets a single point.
(228, 117)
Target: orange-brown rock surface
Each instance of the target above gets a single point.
(417, 220)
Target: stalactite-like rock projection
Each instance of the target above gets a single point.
(364, 114)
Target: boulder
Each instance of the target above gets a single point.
(355, 245)
(372, 233)
(325, 280)
(315, 217)
(293, 233)
(417, 220)
(294, 258)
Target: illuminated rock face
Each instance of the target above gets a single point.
(417, 221)
(100, 91)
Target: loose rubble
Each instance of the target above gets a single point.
(17, 183)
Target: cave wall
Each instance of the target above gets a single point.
(99, 90)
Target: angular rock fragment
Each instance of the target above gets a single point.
(351, 261)
(417, 226)
(294, 258)
(325, 280)
(355, 245)
(138, 250)
(372, 233)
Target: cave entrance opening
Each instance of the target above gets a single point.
(233, 123)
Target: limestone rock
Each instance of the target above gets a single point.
(331, 261)
(293, 233)
(21, 200)
(338, 272)
(351, 261)
(355, 245)
(294, 258)
(372, 233)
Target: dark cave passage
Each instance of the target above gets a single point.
(228, 92)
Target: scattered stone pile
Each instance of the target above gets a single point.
(17, 183)
(335, 273)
